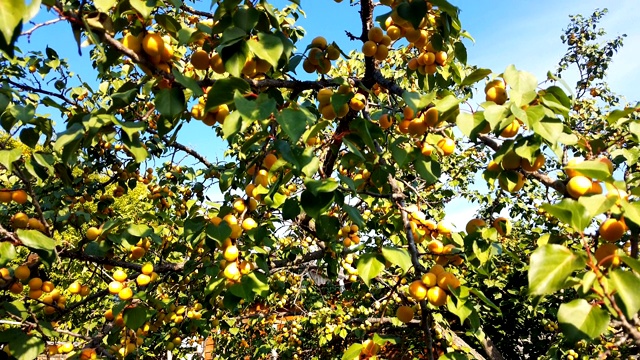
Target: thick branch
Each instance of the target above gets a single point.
(491, 349)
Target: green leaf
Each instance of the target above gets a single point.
(170, 102)
(187, 82)
(383, 339)
(268, 47)
(34, 239)
(401, 151)
(354, 215)
(314, 205)
(634, 264)
(626, 284)
(471, 124)
(570, 212)
(485, 299)
(369, 266)
(131, 128)
(549, 128)
(353, 352)
(219, 233)
(592, 168)
(413, 12)
(549, 268)
(143, 7)
(327, 227)
(14, 13)
(104, 5)
(139, 230)
(580, 320)
(397, 256)
(475, 76)
(7, 157)
(7, 253)
(294, 122)
(235, 56)
(428, 169)
(135, 317)
(631, 210)
(223, 90)
(597, 204)
(416, 101)
(26, 347)
(326, 185)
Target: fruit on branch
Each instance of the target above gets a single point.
(405, 314)
(606, 255)
(612, 229)
(579, 186)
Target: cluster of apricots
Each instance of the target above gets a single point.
(347, 265)
(580, 185)
(320, 56)
(434, 286)
(501, 224)
(19, 196)
(349, 234)
(21, 220)
(232, 267)
(211, 117)
(509, 178)
(156, 48)
(377, 45)
(119, 286)
(496, 91)
(612, 229)
(327, 109)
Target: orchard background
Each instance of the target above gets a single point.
(317, 232)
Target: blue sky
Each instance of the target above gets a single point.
(524, 33)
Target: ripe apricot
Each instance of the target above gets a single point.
(133, 43)
(436, 269)
(119, 275)
(503, 225)
(579, 186)
(607, 256)
(125, 294)
(404, 314)
(74, 288)
(570, 172)
(496, 94)
(47, 286)
(20, 220)
(429, 279)
(447, 146)
(147, 268)
(5, 196)
(115, 287)
(511, 130)
(200, 59)
(35, 284)
(612, 230)
(381, 52)
(431, 117)
(435, 246)
(231, 253)
(319, 42)
(93, 233)
(474, 224)
(385, 121)
(418, 290)
(249, 224)
(232, 272)
(436, 296)
(16, 287)
(369, 48)
(537, 163)
(153, 44)
(22, 272)
(19, 196)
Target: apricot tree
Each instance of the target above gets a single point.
(328, 241)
